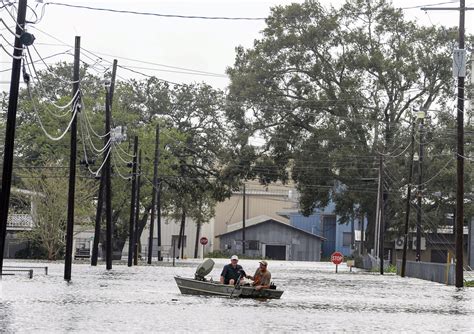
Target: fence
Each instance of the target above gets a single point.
(435, 272)
(369, 262)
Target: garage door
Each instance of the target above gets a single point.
(275, 252)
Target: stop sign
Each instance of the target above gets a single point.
(337, 258)
(203, 241)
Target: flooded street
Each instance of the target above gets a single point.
(146, 299)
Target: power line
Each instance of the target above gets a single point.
(157, 14)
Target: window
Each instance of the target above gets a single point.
(175, 239)
(346, 239)
(252, 244)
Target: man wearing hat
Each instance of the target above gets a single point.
(262, 277)
(232, 271)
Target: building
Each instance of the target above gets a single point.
(437, 247)
(266, 237)
(169, 237)
(344, 238)
(259, 200)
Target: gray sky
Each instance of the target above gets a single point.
(202, 45)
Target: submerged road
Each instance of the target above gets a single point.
(146, 299)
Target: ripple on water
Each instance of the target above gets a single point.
(145, 298)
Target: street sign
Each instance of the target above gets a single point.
(337, 258)
(203, 241)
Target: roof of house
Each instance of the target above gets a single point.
(252, 222)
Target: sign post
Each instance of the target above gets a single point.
(337, 258)
(203, 242)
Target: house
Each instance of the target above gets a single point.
(266, 237)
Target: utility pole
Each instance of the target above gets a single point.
(243, 219)
(72, 163)
(98, 217)
(108, 186)
(158, 220)
(407, 213)
(10, 128)
(377, 217)
(100, 199)
(154, 194)
(131, 225)
(381, 215)
(362, 233)
(419, 193)
(137, 208)
(459, 280)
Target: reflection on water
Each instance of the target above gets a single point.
(145, 298)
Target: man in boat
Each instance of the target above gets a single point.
(261, 278)
(232, 272)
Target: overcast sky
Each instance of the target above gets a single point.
(195, 44)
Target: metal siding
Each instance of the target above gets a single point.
(276, 234)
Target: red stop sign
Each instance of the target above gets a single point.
(203, 241)
(337, 258)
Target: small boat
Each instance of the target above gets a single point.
(199, 285)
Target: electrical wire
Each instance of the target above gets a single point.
(118, 154)
(156, 14)
(75, 110)
(117, 169)
(9, 54)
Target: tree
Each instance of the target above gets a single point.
(194, 142)
(49, 216)
(332, 89)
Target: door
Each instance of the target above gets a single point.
(439, 255)
(275, 252)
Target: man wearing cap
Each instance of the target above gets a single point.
(232, 271)
(262, 277)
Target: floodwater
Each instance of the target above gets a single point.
(146, 299)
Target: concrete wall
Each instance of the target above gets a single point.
(299, 245)
(435, 272)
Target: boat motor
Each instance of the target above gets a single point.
(203, 269)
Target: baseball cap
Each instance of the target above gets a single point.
(265, 263)
(234, 257)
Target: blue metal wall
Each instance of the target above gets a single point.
(321, 223)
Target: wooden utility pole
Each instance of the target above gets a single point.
(72, 163)
(407, 208)
(362, 233)
(10, 128)
(154, 192)
(131, 225)
(243, 219)
(108, 186)
(381, 215)
(459, 280)
(419, 192)
(98, 217)
(137, 210)
(100, 199)
(158, 220)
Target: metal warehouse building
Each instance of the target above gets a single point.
(270, 238)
